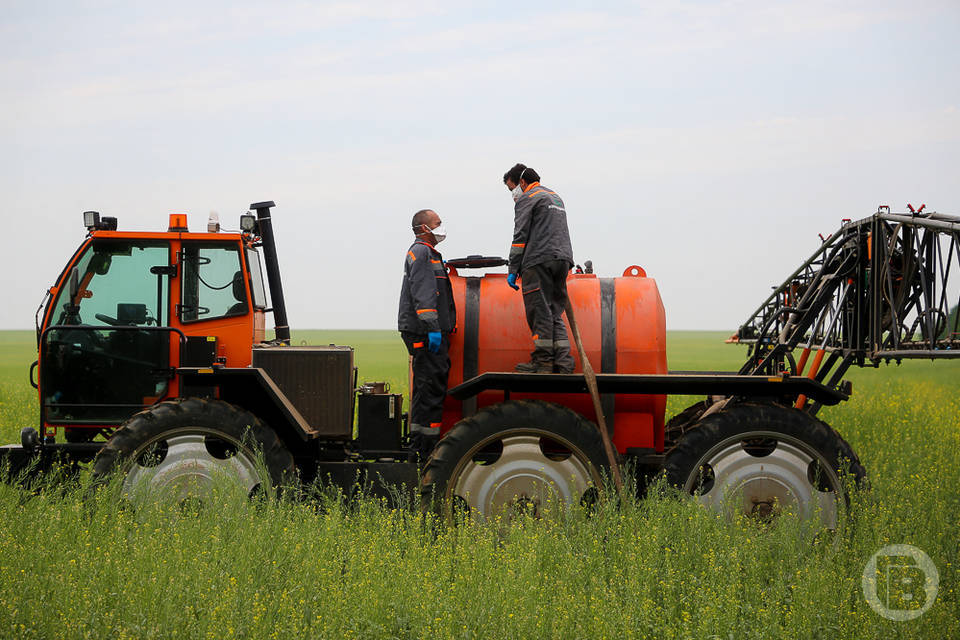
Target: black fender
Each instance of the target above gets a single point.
(252, 389)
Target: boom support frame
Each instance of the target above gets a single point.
(879, 289)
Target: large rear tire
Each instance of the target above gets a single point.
(677, 425)
(190, 448)
(524, 456)
(763, 460)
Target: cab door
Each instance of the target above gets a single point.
(105, 353)
(214, 298)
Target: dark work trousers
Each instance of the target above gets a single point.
(544, 300)
(430, 372)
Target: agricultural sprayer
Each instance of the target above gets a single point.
(154, 361)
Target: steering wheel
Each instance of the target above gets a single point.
(113, 322)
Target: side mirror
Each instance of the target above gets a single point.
(74, 285)
(100, 263)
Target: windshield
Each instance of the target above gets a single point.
(116, 286)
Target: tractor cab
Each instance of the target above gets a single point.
(132, 307)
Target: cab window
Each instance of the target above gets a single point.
(256, 279)
(213, 285)
(117, 284)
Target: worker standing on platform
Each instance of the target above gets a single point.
(427, 317)
(541, 256)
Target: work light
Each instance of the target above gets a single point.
(91, 219)
(248, 222)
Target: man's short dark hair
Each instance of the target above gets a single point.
(421, 217)
(518, 171)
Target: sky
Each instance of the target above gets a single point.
(708, 142)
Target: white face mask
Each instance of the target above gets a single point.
(516, 193)
(439, 233)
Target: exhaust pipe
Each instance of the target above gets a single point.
(273, 270)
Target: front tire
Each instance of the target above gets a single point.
(524, 456)
(191, 448)
(763, 460)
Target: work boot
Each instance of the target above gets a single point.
(421, 446)
(562, 360)
(534, 367)
(563, 367)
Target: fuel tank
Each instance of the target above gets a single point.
(623, 326)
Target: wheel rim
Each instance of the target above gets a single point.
(763, 474)
(191, 466)
(522, 471)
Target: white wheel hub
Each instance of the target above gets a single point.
(763, 474)
(532, 474)
(192, 465)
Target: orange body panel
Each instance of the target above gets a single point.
(504, 340)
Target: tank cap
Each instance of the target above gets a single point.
(634, 271)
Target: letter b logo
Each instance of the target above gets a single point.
(900, 582)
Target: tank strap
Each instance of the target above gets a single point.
(608, 343)
(471, 339)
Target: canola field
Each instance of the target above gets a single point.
(659, 567)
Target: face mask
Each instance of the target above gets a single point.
(439, 233)
(516, 193)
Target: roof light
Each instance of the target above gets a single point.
(248, 222)
(91, 219)
(178, 222)
(93, 222)
(213, 222)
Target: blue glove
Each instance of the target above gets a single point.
(512, 281)
(433, 341)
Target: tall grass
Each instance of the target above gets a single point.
(660, 567)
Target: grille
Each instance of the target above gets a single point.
(318, 381)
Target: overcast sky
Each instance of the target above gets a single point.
(709, 142)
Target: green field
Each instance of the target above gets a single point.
(661, 567)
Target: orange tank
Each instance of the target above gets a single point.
(623, 326)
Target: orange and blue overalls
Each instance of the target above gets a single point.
(426, 304)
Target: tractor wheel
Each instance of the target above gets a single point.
(186, 449)
(674, 429)
(763, 460)
(525, 456)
